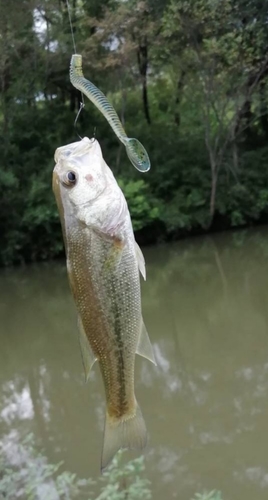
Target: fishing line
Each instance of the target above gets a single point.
(71, 24)
(82, 103)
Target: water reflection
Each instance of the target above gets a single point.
(206, 404)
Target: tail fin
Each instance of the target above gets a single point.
(126, 432)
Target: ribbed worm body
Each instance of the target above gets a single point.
(135, 150)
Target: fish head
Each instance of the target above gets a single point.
(79, 176)
(86, 191)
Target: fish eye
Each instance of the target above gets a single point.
(69, 178)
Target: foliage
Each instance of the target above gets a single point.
(124, 481)
(33, 478)
(188, 78)
(141, 203)
(214, 44)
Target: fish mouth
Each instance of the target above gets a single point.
(74, 149)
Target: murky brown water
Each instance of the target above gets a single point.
(205, 305)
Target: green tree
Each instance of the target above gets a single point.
(224, 71)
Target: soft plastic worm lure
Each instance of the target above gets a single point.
(135, 150)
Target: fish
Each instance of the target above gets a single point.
(134, 149)
(104, 264)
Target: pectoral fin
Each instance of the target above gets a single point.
(144, 347)
(88, 356)
(141, 261)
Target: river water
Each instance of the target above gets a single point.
(205, 305)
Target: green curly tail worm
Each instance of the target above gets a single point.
(135, 150)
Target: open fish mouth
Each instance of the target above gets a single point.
(77, 148)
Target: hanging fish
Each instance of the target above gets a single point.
(135, 150)
(103, 264)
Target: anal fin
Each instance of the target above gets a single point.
(88, 356)
(144, 347)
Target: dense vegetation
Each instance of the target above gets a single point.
(187, 77)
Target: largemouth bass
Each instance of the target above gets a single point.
(103, 264)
